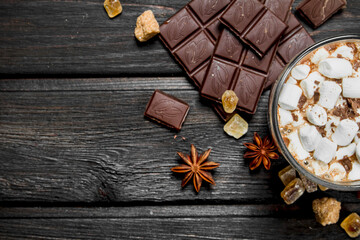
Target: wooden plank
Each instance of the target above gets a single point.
(51, 37)
(169, 222)
(96, 146)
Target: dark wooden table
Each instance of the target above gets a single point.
(78, 159)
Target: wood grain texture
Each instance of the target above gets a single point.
(169, 222)
(51, 37)
(94, 145)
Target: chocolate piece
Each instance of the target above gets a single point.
(230, 69)
(294, 40)
(316, 12)
(167, 110)
(218, 108)
(191, 34)
(254, 24)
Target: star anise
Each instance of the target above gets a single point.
(196, 168)
(262, 152)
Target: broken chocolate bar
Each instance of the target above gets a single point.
(191, 34)
(316, 12)
(254, 24)
(167, 110)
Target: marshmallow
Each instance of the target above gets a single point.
(351, 87)
(289, 96)
(358, 151)
(300, 71)
(337, 171)
(325, 151)
(345, 151)
(308, 84)
(291, 80)
(296, 148)
(310, 137)
(329, 94)
(335, 68)
(319, 55)
(316, 115)
(354, 174)
(344, 51)
(285, 117)
(345, 132)
(319, 167)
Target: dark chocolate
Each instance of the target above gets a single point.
(234, 67)
(316, 12)
(167, 110)
(191, 34)
(254, 24)
(294, 40)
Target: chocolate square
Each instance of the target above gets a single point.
(167, 110)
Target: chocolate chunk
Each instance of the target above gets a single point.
(302, 101)
(254, 24)
(316, 12)
(295, 117)
(347, 164)
(316, 96)
(191, 34)
(167, 110)
(321, 130)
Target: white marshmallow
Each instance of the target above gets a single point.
(354, 174)
(337, 171)
(344, 51)
(345, 132)
(289, 96)
(295, 146)
(335, 68)
(325, 151)
(351, 87)
(285, 117)
(319, 167)
(329, 94)
(310, 137)
(308, 84)
(300, 71)
(291, 80)
(316, 115)
(358, 151)
(345, 151)
(356, 139)
(319, 55)
(331, 124)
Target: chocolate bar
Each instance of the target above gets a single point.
(167, 110)
(295, 39)
(316, 12)
(254, 24)
(191, 34)
(235, 67)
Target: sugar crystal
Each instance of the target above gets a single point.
(293, 191)
(236, 126)
(351, 225)
(287, 174)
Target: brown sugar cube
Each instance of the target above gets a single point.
(351, 225)
(326, 210)
(146, 26)
(112, 7)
